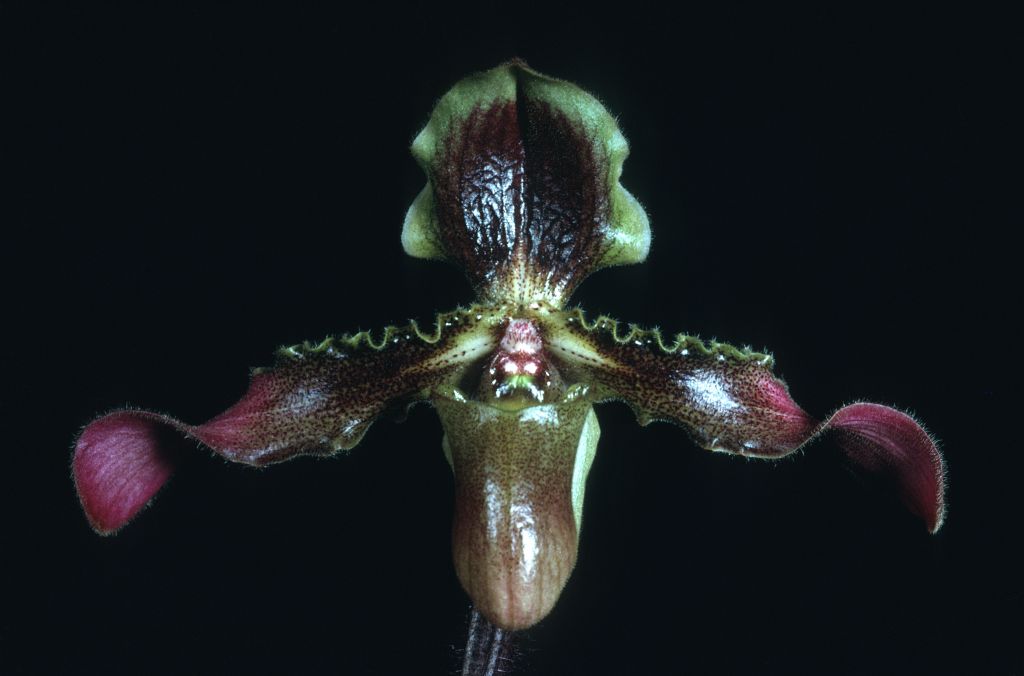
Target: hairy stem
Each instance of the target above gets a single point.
(487, 648)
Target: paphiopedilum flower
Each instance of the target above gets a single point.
(522, 193)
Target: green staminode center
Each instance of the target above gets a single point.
(518, 381)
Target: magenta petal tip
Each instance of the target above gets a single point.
(887, 441)
(121, 461)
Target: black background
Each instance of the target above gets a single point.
(186, 190)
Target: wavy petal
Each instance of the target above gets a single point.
(316, 400)
(523, 188)
(729, 400)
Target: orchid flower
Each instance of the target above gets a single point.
(523, 193)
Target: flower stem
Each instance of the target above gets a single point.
(487, 648)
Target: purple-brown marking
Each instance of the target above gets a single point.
(315, 401)
(729, 400)
(522, 196)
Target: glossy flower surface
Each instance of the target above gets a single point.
(523, 194)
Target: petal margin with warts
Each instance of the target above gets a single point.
(729, 400)
(316, 400)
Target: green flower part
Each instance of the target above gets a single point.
(523, 193)
(523, 187)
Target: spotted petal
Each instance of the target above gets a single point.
(316, 400)
(523, 187)
(729, 400)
